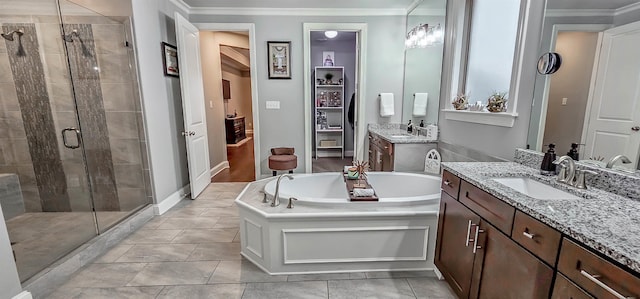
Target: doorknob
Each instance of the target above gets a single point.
(635, 129)
(191, 133)
(184, 134)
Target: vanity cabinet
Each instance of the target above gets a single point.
(478, 259)
(380, 154)
(485, 248)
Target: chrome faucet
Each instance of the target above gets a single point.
(567, 172)
(615, 159)
(276, 200)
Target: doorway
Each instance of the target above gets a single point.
(333, 79)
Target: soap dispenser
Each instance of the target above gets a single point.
(547, 167)
(573, 152)
(409, 127)
(422, 123)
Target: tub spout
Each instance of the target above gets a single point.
(276, 195)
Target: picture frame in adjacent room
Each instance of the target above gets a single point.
(328, 58)
(279, 59)
(170, 60)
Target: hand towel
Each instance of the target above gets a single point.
(420, 103)
(386, 104)
(363, 192)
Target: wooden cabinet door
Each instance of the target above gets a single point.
(503, 269)
(454, 256)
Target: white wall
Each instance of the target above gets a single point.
(285, 127)
(162, 104)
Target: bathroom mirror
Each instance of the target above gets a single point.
(423, 66)
(572, 105)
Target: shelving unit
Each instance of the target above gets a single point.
(329, 111)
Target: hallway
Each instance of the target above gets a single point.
(241, 164)
(193, 251)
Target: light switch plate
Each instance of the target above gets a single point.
(564, 101)
(273, 104)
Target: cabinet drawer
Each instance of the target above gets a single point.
(596, 275)
(564, 288)
(450, 184)
(494, 210)
(536, 236)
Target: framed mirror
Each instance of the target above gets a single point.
(592, 99)
(423, 62)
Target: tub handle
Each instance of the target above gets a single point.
(290, 205)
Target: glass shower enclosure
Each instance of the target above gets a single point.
(72, 141)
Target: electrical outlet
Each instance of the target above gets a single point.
(273, 104)
(564, 101)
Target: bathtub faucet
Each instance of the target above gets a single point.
(276, 199)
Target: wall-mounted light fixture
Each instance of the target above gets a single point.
(423, 36)
(331, 33)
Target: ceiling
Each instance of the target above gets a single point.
(589, 4)
(303, 4)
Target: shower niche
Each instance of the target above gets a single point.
(72, 141)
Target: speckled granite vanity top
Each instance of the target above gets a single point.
(606, 222)
(389, 133)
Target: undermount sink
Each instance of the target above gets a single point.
(535, 189)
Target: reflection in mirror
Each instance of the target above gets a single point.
(423, 66)
(593, 99)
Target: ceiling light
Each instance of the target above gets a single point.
(331, 33)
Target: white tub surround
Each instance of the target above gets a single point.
(326, 236)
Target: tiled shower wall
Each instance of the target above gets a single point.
(114, 98)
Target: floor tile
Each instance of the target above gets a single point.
(237, 238)
(198, 236)
(228, 222)
(192, 222)
(157, 253)
(113, 254)
(370, 288)
(431, 288)
(399, 274)
(242, 271)
(174, 273)
(154, 222)
(107, 293)
(228, 195)
(328, 276)
(216, 252)
(229, 212)
(105, 275)
(145, 236)
(281, 290)
(221, 291)
(186, 211)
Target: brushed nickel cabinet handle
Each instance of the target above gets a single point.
(447, 183)
(528, 235)
(475, 239)
(594, 279)
(469, 233)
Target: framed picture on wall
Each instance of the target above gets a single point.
(170, 60)
(279, 59)
(328, 58)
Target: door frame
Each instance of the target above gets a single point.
(547, 79)
(251, 28)
(361, 58)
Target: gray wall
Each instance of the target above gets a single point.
(9, 281)
(285, 127)
(564, 122)
(162, 105)
(345, 55)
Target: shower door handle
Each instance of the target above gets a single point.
(64, 138)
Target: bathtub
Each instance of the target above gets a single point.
(326, 233)
(328, 189)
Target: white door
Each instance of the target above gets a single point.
(615, 108)
(193, 108)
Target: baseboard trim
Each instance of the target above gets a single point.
(23, 295)
(218, 168)
(171, 200)
(243, 141)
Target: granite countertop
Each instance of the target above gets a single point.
(603, 221)
(388, 133)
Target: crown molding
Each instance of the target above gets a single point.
(181, 5)
(428, 12)
(626, 9)
(580, 12)
(259, 11)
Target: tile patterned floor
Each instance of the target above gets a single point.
(193, 251)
